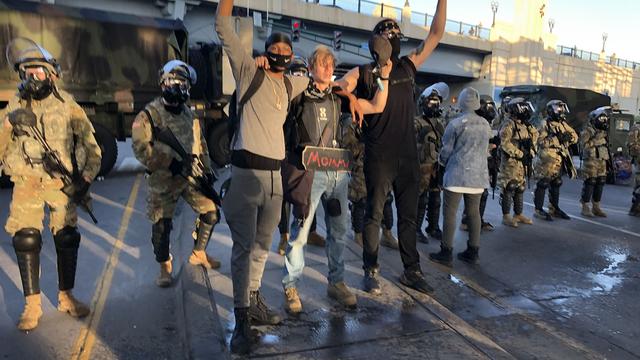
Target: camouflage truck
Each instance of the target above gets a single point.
(110, 65)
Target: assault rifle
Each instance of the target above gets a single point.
(567, 162)
(494, 164)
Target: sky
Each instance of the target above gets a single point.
(577, 22)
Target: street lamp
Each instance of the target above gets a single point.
(552, 23)
(604, 40)
(494, 8)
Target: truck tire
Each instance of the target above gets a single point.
(108, 146)
(218, 144)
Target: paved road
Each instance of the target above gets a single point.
(565, 289)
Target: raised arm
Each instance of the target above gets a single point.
(378, 103)
(436, 31)
(242, 64)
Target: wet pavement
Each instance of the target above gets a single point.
(561, 289)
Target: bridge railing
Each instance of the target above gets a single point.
(422, 19)
(592, 56)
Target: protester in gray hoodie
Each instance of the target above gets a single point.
(464, 155)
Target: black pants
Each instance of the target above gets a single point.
(358, 210)
(381, 176)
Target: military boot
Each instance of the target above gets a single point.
(596, 210)
(506, 200)
(433, 215)
(241, 338)
(541, 214)
(554, 200)
(259, 312)
(470, 255)
(164, 278)
(199, 256)
(443, 257)
(522, 219)
(635, 209)
(586, 210)
(371, 282)
(509, 221)
(31, 313)
(557, 212)
(69, 304)
(282, 245)
(486, 226)
(388, 240)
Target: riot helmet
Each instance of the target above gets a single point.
(520, 109)
(557, 110)
(599, 118)
(176, 79)
(487, 108)
(35, 66)
(298, 67)
(431, 98)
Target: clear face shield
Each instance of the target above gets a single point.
(22, 53)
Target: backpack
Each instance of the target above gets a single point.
(235, 107)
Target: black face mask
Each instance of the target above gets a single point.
(175, 95)
(487, 112)
(395, 46)
(35, 89)
(277, 62)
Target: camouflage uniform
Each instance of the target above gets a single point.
(633, 144)
(166, 188)
(514, 135)
(429, 139)
(595, 155)
(553, 158)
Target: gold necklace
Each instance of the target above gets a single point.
(278, 100)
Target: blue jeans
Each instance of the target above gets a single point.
(326, 185)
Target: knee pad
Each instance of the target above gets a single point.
(543, 183)
(211, 217)
(591, 181)
(520, 189)
(512, 186)
(601, 180)
(556, 182)
(27, 240)
(67, 238)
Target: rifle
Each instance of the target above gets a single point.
(494, 165)
(610, 168)
(197, 176)
(567, 162)
(53, 165)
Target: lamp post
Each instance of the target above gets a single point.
(552, 23)
(494, 8)
(604, 40)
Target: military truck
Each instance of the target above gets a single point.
(110, 65)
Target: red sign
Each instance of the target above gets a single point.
(326, 159)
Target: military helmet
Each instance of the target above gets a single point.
(521, 109)
(22, 53)
(487, 108)
(298, 67)
(599, 118)
(431, 98)
(177, 69)
(557, 110)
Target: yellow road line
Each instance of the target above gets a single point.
(87, 337)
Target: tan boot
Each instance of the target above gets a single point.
(522, 219)
(282, 245)
(586, 211)
(31, 313)
(69, 304)
(597, 211)
(292, 301)
(388, 240)
(315, 239)
(509, 221)
(200, 257)
(164, 279)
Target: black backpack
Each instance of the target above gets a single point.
(235, 107)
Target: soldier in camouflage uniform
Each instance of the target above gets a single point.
(358, 192)
(517, 144)
(553, 159)
(502, 117)
(63, 124)
(429, 130)
(633, 144)
(169, 172)
(595, 156)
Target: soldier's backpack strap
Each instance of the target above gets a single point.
(154, 129)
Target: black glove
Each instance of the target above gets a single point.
(565, 138)
(77, 190)
(22, 118)
(175, 167)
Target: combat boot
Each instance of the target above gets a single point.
(31, 313)
(292, 300)
(282, 245)
(358, 239)
(443, 257)
(486, 226)
(69, 304)
(241, 338)
(388, 240)
(586, 210)
(316, 239)
(541, 214)
(596, 210)
(421, 237)
(259, 312)
(164, 279)
(635, 209)
(200, 257)
(371, 283)
(522, 219)
(557, 212)
(509, 221)
(469, 256)
(342, 294)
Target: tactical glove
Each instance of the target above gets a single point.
(22, 118)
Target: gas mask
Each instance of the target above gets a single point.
(487, 110)
(36, 83)
(175, 91)
(431, 107)
(557, 110)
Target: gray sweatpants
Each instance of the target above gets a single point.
(252, 209)
(472, 208)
